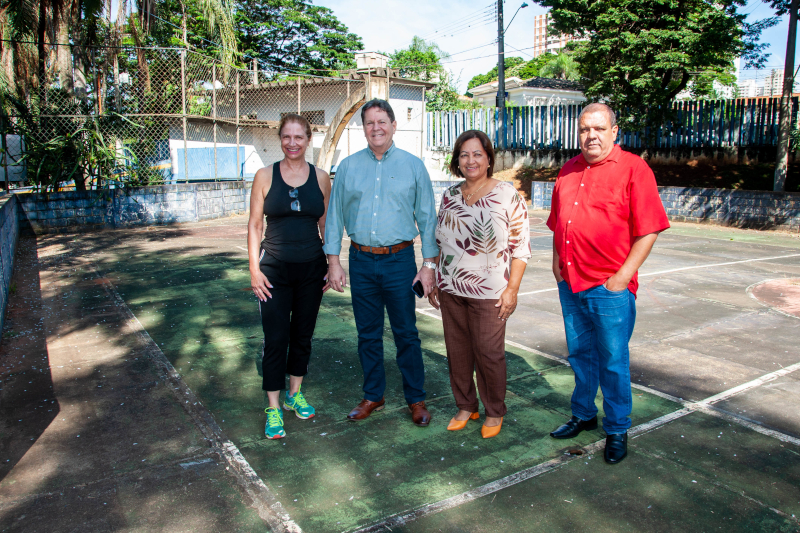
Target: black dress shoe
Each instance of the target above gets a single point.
(616, 448)
(573, 427)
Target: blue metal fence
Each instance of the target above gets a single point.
(743, 122)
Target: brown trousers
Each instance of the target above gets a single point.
(475, 340)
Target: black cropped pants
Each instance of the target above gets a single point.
(289, 317)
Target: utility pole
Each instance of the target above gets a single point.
(784, 120)
(501, 76)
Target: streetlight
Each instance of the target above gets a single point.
(524, 4)
(501, 66)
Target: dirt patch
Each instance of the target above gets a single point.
(524, 176)
(754, 177)
(780, 294)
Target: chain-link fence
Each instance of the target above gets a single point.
(163, 115)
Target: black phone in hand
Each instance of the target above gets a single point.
(418, 290)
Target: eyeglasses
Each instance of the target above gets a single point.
(295, 203)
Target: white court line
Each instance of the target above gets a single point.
(399, 519)
(242, 248)
(719, 264)
(644, 274)
(766, 378)
(266, 504)
(705, 406)
(564, 362)
(537, 292)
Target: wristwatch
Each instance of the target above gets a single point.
(429, 264)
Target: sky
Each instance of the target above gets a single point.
(389, 25)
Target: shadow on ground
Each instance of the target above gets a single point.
(189, 289)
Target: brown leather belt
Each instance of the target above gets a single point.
(382, 249)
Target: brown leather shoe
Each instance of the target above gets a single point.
(419, 414)
(364, 409)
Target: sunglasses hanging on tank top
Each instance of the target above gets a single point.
(295, 205)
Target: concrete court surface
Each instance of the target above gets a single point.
(131, 400)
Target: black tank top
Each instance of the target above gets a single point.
(293, 236)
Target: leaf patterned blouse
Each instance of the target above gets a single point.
(477, 242)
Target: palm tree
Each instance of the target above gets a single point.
(562, 67)
(18, 24)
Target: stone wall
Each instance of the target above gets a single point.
(9, 235)
(120, 208)
(743, 209)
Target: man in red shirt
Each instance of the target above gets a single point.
(605, 215)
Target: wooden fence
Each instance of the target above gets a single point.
(745, 122)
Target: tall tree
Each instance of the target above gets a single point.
(18, 29)
(280, 35)
(509, 63)
(421, 60)
(639, 54)
(562, 66)
(294, 35)
(529, 69)
(543, 66)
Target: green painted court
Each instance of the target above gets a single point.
(152, 336)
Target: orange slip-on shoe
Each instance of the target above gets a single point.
(456, 425)
(489, 432)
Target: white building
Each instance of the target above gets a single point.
(212, 150)
(530, 92)
(750, 89)
(773, 84)
(725, 92)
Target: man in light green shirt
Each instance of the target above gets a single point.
(382, 197)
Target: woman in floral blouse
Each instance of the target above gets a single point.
(484, 240)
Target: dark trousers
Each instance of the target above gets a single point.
(289, 317)
(475, 340)
(381, 282)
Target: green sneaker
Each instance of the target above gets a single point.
(274, 427)
(299, 405)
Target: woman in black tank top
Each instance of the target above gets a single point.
(288, 267)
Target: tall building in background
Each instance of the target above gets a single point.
(773, 84)
(544, 43)
(749, 89)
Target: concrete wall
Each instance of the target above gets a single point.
(9, 235)
(743, 209)
(119, 208)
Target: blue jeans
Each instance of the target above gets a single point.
(378, 282)
(599, 324)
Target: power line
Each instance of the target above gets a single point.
(480, 13)
(518, 50)
(476, 48)
(487, 22)
(463, 24)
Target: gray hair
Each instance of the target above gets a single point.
(380, 104)
(595, 107)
